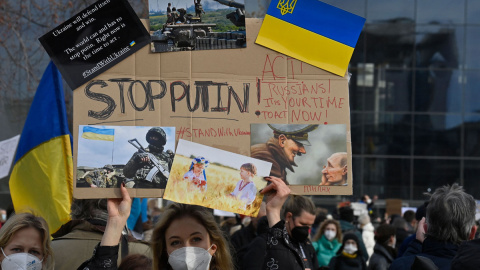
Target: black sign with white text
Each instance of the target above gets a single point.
(94, 40)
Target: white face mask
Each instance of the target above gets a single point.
(394, 242)
(329, 234)
(21, 261)
(350, 248)
(190, 258)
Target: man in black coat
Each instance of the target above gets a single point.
(285, 245)
(450, 220)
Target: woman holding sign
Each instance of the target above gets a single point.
(186, 237)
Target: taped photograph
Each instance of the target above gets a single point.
(187, 25)
(304, 154)
(139, 156)
(217, 179)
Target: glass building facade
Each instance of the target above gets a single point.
(414, 97)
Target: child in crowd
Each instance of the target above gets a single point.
(196, 174)
(245, 189)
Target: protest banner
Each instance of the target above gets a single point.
(7, 152)
(212, 97)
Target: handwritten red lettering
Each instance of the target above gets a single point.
(320, 189)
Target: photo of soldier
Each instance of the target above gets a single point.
(198, 9)
(139, 156)
(303, 151)
(100, 178)
(287, 142)
(149, 167)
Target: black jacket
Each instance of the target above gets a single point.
(275, 250)
(441, 253)
(340, 262)
(381, 258)
(467, 256)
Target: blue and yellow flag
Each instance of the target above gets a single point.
(42, 178)
(311, 31)
(103, 134)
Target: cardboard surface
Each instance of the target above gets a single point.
(212, 97)
(393, 206)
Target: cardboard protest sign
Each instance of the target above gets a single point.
(94, 40)
(7, 152)
(197, 25)
(311, 31)
(212, 98)
(139, 156)
(217, 179)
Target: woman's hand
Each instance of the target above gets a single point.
(118, 213)
(277, 193)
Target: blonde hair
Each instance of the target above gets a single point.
(321, 230)
(23, 221)
(221, 259)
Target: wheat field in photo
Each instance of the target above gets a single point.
(221, 181)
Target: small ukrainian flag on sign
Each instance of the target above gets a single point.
(132, 43)
(92, 133)
(311, 31)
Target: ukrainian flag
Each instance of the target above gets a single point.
(311, 31)
(92, 133)
(42, 177)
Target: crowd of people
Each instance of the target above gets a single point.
(289, 233)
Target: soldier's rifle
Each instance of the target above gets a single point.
(96, 178)
(151, 157)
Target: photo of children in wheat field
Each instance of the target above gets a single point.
(217, 179)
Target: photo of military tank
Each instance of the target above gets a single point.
(207, 25)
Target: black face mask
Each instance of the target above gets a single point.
(155, 149)
(300, 233)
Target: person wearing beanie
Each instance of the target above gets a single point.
(346, 223)
(349, 256)
(384, 251)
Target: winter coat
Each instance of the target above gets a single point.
(441, 253)
(381, 258)
(341, 262)
(104, 258)
(349, 227)
(326, 250)
(467, 256)
(368, 237)
(79, 238)
(275, 250)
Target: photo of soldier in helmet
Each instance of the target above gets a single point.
(149, 167)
